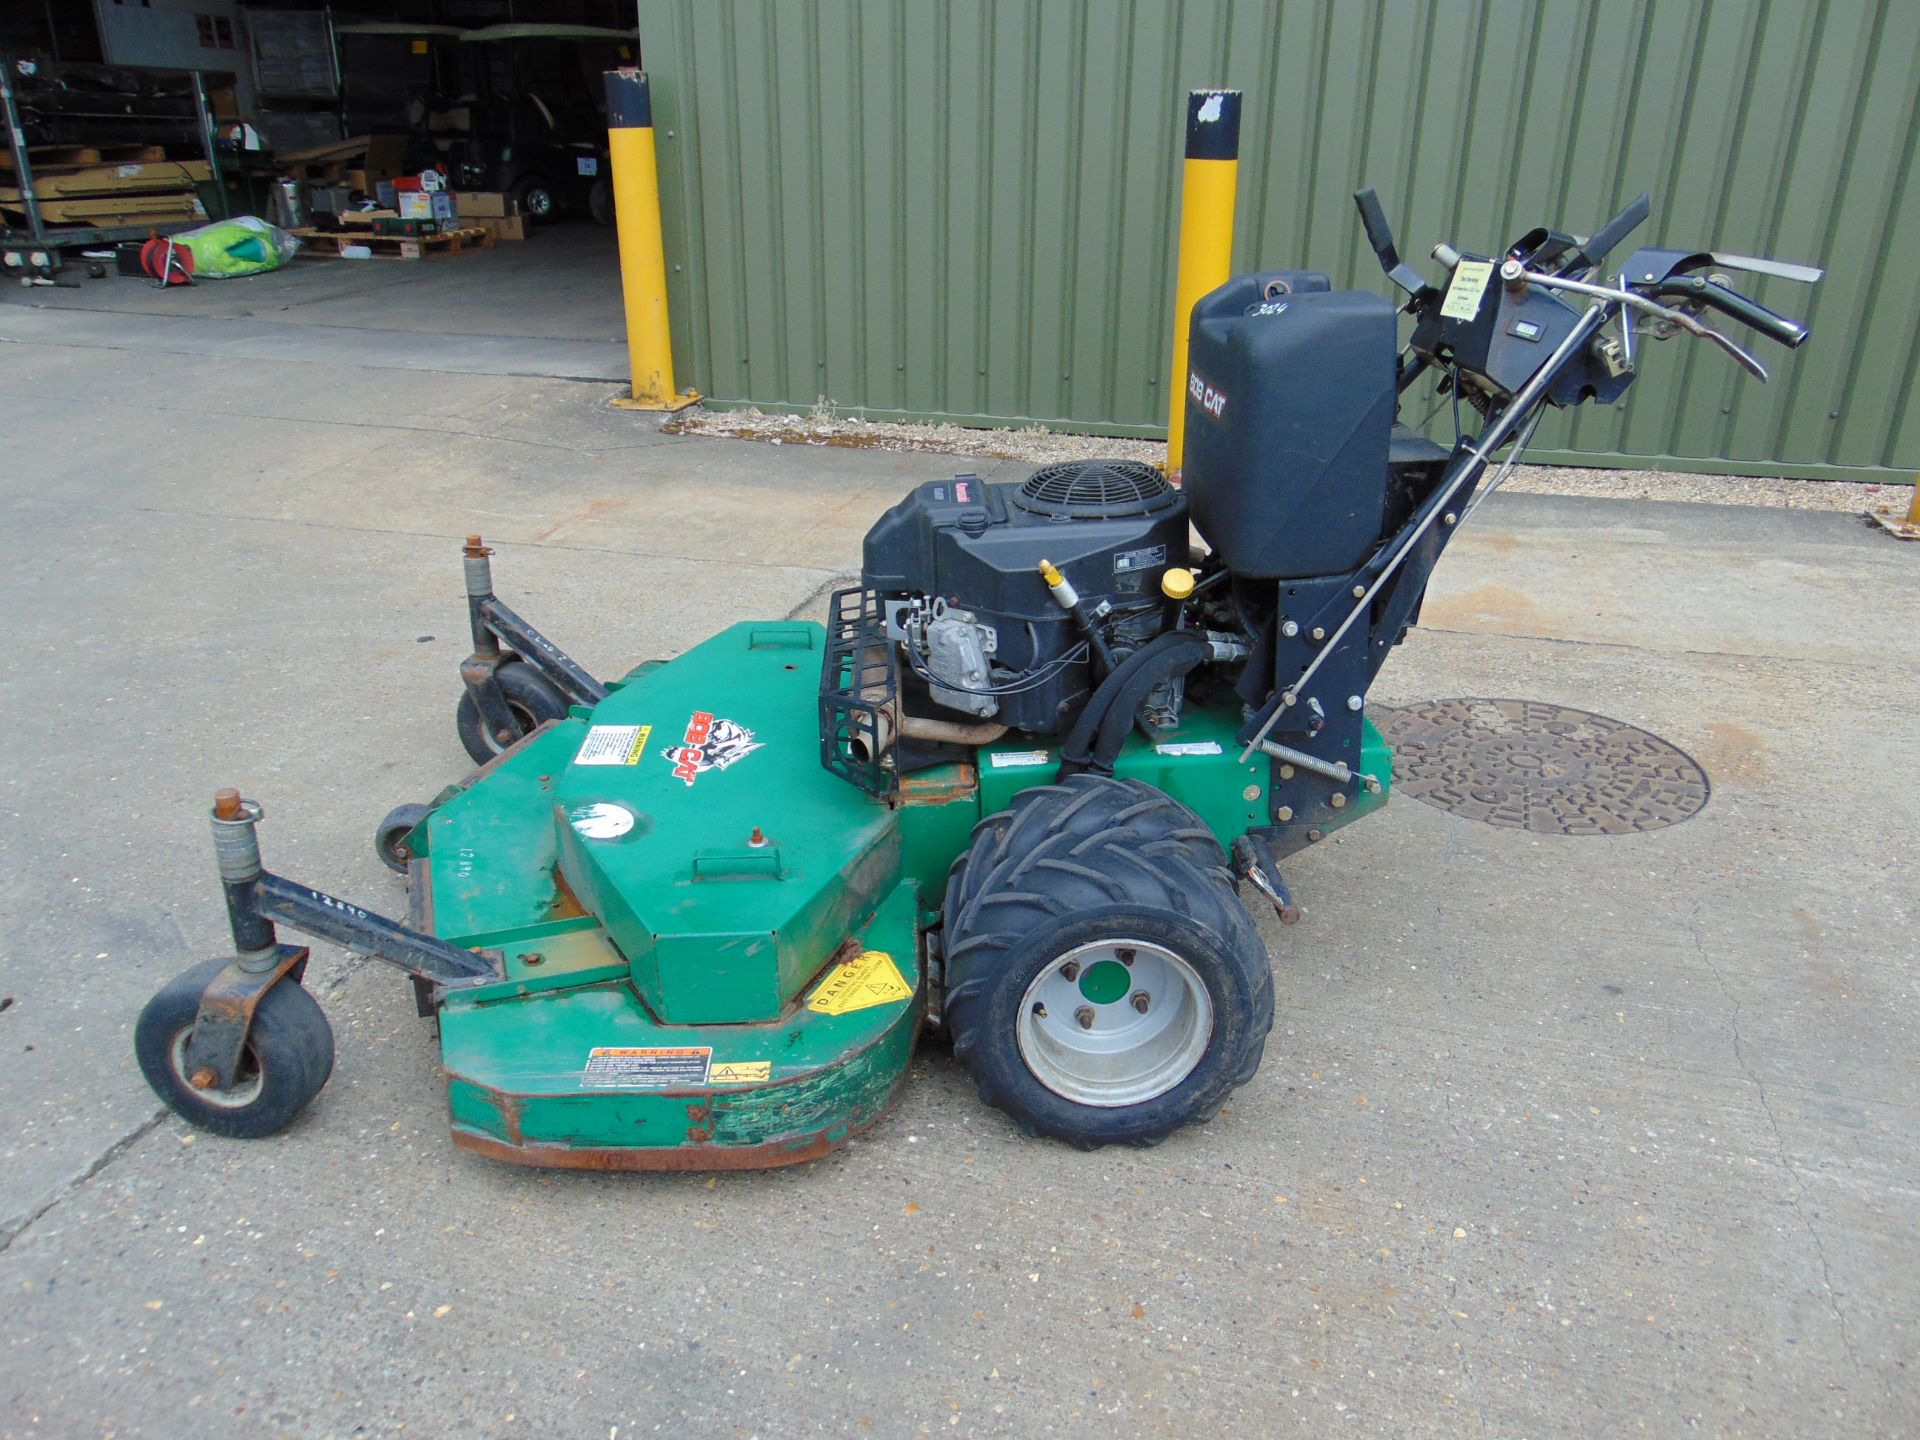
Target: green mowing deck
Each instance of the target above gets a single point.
(712, 944)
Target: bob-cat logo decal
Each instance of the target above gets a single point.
(710, 744)
(1213, 401)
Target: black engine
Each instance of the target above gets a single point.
(982, 636)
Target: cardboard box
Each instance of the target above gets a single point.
(503, 227)
(386, 155)
(486, 204)
(421, 205)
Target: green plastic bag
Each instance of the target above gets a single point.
(244, 245)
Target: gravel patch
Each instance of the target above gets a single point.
(1039, 445)
(1036, 443)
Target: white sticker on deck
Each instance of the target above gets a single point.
(1015, 759)
(1189, 747)
(600, 820)
(614, 745)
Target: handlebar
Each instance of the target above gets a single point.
(1734, 305)
(1566, 265)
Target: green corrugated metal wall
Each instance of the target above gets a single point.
(966, 210)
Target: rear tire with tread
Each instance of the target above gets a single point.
(1099, 861)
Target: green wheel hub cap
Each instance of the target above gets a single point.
(1105, 981)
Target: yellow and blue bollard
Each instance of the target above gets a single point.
(1207, 191)
(643, 256)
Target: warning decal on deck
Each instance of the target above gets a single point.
(1189, 747)
(650, 1067)
(614, 745)
(741, 1072)
(870, 978)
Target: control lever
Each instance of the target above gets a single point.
(1380, 237)
(1779, 269)
(1594, 249)
(1679, 319)
(1731, 303)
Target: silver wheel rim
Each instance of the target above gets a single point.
(239, 1097)
(522, 718)
(1094, 1043)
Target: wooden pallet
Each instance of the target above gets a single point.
(132, 177)
(330, 245)
(113, 209)
(51, 159)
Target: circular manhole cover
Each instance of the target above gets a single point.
(1544, 768)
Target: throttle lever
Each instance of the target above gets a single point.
(1380, 237)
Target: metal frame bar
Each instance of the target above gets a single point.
(567, 675)
(256, 900)
(17, 144)
(492, 622)
(1466, 467)
(37, 233)
(207, 144)
(365, 933)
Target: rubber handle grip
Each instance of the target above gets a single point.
(1374, 219)
(1735, 306)
(1616, 229)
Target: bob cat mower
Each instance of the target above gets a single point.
(697, 917)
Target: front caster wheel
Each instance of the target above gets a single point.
(530, 699)
(1104, 982)
(288, 1056)
(391, 837)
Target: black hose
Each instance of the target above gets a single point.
(1081, 752)
(1119, 718)
(1079, 746)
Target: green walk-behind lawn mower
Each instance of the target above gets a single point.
(697, 917)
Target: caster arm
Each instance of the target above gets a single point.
(256, 900)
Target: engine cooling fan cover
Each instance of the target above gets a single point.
(1095, 490)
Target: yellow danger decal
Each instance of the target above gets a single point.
(870, 978)
(741, 1072)
(1470, 279)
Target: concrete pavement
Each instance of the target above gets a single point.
(1554, 1137)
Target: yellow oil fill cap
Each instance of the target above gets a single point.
(1176, 583)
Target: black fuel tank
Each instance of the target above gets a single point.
(1290, 402)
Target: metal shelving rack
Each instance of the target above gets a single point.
(39, 244)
